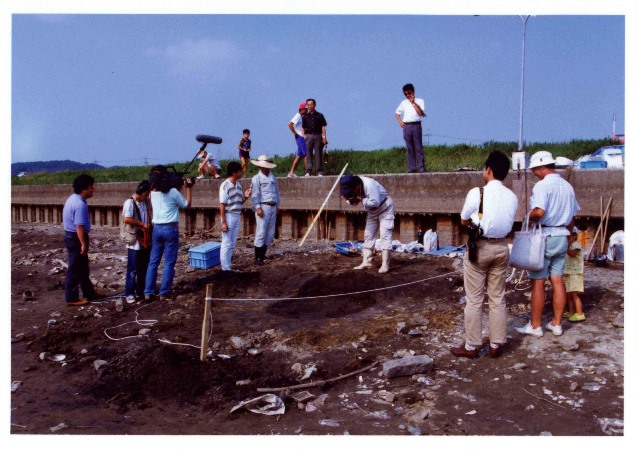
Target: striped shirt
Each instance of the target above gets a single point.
(231, 195)
(555, 196)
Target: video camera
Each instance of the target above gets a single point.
(162, 179)
(475, 232)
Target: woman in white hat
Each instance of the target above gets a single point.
(265, 201)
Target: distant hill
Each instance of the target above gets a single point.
(51, 166)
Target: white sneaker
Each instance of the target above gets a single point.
(130, 299)
(291, 175)
(308, 174)
(555, 329)
(320, 174)
(201, 177)
(528, 329)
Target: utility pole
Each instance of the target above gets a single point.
(524, 21)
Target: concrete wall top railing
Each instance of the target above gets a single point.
(435, 193)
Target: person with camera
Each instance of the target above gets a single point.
(77, 226)
(166, 200)
(265, 201)
(136, 217)
(489, 212)
(380, 215)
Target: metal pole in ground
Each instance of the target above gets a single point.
(205, 327)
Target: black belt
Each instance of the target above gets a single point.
(482, 238)
(269, 203)
(166, 224)
(411, 123)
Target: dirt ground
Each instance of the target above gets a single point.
(155, 383)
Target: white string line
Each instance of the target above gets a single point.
(151, 322)
(143, 322)
(331, 295)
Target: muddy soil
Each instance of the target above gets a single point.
(268, 332)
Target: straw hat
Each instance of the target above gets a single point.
(263, 161)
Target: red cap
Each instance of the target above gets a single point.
(303, 105)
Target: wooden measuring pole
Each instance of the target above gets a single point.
(598, 232)
(205, 327)
(318, 214)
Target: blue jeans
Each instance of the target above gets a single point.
(136, 271)
(77, 275)
(166, 243)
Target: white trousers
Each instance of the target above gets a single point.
(266, 226)
(380, 222)
(229, 239)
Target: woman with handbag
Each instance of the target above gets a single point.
(136, 235)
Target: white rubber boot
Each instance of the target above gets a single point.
(384, 268)
(367, 254)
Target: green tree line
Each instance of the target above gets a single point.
(438, 158)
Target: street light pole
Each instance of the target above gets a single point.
(524, 21)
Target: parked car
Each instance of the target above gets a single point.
(611, 157)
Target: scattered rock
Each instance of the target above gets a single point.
(329, 423)
(243, 382)
(144, 331)
(386, 395)
(415, 332)
(15, 385)
(574, 386)
(45, 355)
(618, 321)
(529, 408)
(17, 338)
(408, 365)
(239, 342)
(401, 327)
(98, 363)
(58, 427)
(546, 433)
(519, 366)
(254, 351)
(592, 387)
(297, 368)
(414, 430)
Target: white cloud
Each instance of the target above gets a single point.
(205, 58)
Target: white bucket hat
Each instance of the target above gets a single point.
(263, 161)
(541, 158)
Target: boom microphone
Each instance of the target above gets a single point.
(206, 139)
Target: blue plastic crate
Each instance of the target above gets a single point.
(593, 165)
(205, 256)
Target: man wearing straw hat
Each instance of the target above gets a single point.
(265, 200)
(554, 206)
(380, 215)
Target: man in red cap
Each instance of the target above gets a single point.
(296, 127)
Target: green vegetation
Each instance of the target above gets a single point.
(438, 158)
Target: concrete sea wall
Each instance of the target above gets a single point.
(422, 201)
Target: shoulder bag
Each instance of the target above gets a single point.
(128, 232)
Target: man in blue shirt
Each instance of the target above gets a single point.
(265, 200)
(77, 226)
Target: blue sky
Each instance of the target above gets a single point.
(125, 89)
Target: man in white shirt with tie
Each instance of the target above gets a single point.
(499, 205)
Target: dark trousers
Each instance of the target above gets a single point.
(77, 275)
(314, 146)
(136, 271)
(412, 133)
